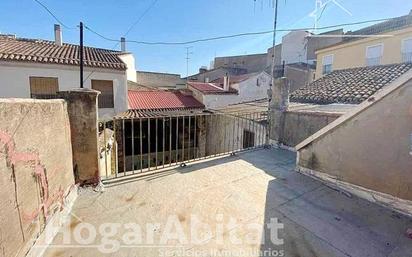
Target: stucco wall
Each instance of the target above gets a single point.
(370, 147)
(159, 80)
(353, 54)
(225, 133)
(300, 125)
(129, 60)
(36, 167)
(298, 77)
(248, 91)
(294, 47)
(14, 81)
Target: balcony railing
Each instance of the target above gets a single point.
(135, 145)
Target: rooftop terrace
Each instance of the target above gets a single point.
(251, 187)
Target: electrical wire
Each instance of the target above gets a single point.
(138, 20)
(54, 16)
(230, 36)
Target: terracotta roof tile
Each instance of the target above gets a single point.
(41, 51)
(349, 86)
(210, 88)
(161, 100)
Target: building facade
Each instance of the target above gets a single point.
(31, 68)
(159, 80)
(389, 42)
(238, 89)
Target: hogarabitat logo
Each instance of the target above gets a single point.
(111, 237)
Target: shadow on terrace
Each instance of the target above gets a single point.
(249, 188)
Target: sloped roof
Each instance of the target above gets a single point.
(42, 51)
(349, 86)
(236, 78)
(161, 100)
(210, 88)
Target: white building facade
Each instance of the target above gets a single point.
(248, 88)
(39, 69)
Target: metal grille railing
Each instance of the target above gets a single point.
(131, 146)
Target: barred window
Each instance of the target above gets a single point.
(43, 87)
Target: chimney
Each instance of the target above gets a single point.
(123, 44)
(58, 35)
(202, 69)
(226, 83)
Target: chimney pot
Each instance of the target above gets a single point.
(58, 35)
(123, 44)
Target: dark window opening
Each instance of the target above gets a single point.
(248, 139)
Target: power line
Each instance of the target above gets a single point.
(138, 20)
(54, 16)
(231, 36)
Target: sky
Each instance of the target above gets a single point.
(183, 20)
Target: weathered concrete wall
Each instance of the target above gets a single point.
(370, 147)
(82, 109)
(225, 133)
(159, 80)
(300, 125)
(251, 62)
(298, 77)
(36, 169)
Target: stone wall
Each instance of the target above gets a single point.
(36, 167)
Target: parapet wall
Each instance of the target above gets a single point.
(369, 147)
(36, 169)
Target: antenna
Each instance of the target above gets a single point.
(188, 53)
(320, 5)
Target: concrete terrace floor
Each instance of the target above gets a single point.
(251, 187)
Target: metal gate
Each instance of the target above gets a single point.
(145, 143)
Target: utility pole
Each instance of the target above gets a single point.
(81, 54)
(187, 59)
(274, 41)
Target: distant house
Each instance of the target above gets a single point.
(231, 89)
(388, 42)
(33, 68)
(159, 80)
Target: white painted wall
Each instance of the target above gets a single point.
(14, 81)
(129, 60)
(247, 91)
(294, 47)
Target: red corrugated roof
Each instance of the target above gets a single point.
(158, 100)
(210, 88)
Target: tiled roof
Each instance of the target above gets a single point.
(210, 88)
(350, 86)
(41, 51)
(161, 100)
